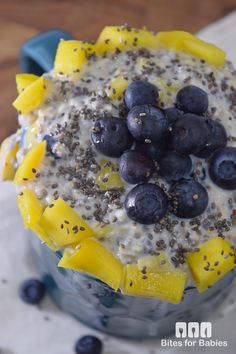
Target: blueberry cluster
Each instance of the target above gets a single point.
(152, 140)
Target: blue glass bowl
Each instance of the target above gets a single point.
(97, 305)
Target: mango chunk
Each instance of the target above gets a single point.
(117, 87)
(31, 211)
(108, 177)
(155, 264)
(207, 51)
(167, 286)
(31, 163)
(8, 159)
(93, 258)
(184, 41)
(70, 57)
(214, 259)
(24, 80)
(122, 38)
(32, 97)
(63, 225)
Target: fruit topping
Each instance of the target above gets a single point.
(88, 345)
(192, 99)
(51, 141)
(174, 166)
(32, 291)
(188, 198)
(211, 262)
(146, 203)
(189, 134)
(29, 167)
(173, 114)
(108, 177)
(8, 153)
(217, 138)
(141, 93)
(95, 259)
(117, 87)
(222, 168)
(167, 286)
(147, 123)
(136, 167)
(24, 80)
(153, 150)
(111, 137)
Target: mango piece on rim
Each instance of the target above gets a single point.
(117, 87)
(108, 177)
(156, 263)
(70, 57)
(214, 259)
(24, 80)
(123, 38)
(8, 159)
(31, 211)
(94, 259)
(166, 286)
(31, 163)
(64, 225)
(32, 97)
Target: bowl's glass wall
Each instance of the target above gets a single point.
(97, 305)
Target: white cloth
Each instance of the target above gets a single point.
(28, 329)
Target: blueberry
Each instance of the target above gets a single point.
(173, 114)
(217, 138)
(192, 99)
(189, 134)
(51, 141)
(147, 123)
(139, 93)
(136, 166)
(88, 345)
(174, 166)
(32, 291)
(111, 137)
(222, 168)
(146, 203)
(153, 150)
(189, 198)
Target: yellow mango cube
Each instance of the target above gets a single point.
(119, 37)
(214, 259)
(32, 97)
(70, 57)
(93, 258)
(31, 211)
(108, 177)
(31, 163)
(117, 87)
(64, 225)
(166, 286)
(206, 51)
(24, 80)
(8, 159)
(155, 264)
(172, 39)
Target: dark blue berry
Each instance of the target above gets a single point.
(192, 99)
(217, 138)
(88, 345)
(188, 198)
(222, 168)
(146, 203)
(153, 150)
(111, 137)
(136, 166)
(32, 291)
(147, 123)
(139, 93)
(174, 166)
(173, 114)
(189, 134)
(51, 141)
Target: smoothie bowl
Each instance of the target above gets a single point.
(125, 169)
